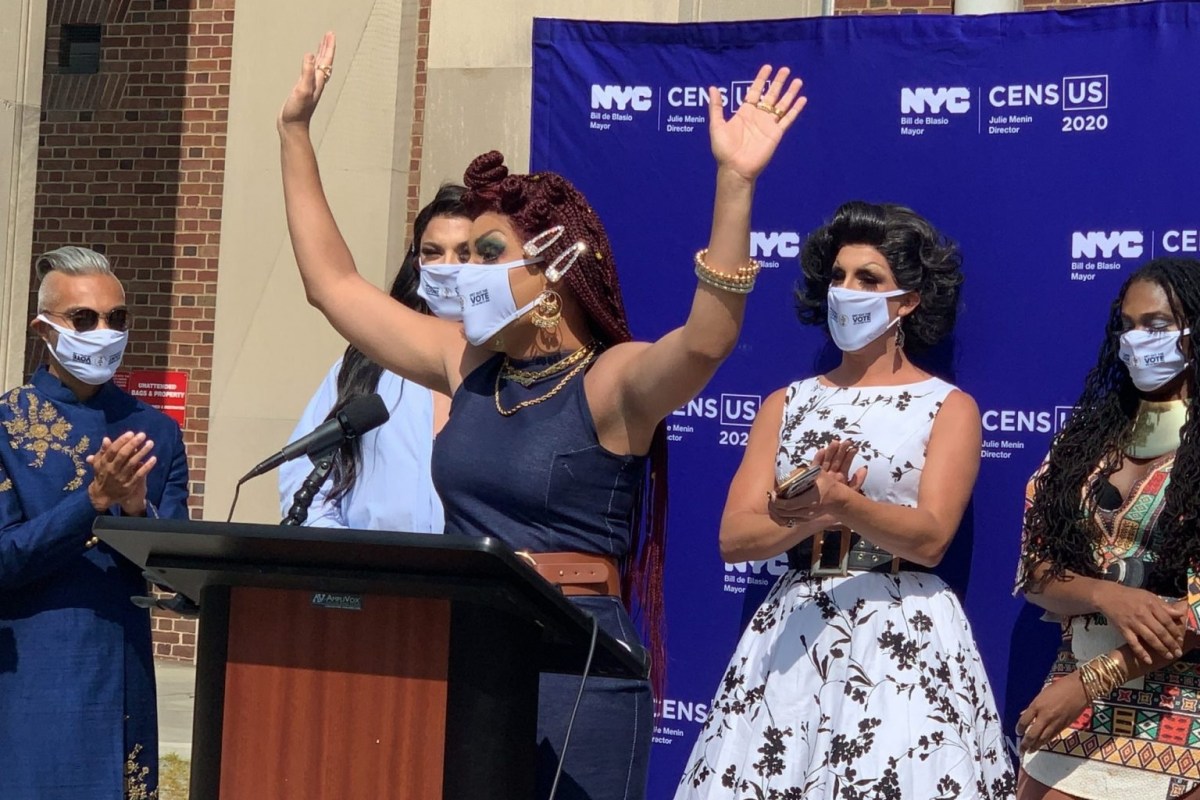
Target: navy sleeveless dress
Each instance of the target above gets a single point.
(540, 481)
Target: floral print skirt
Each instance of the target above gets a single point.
(863, 687)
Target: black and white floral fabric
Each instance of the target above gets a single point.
(863, 687)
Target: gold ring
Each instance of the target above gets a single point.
(763, 105)
(325, 68)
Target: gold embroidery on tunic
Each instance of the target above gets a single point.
(39, 429)
(136, 776)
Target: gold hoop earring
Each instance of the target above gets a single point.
(547, 314)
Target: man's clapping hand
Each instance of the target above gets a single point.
(119, 473)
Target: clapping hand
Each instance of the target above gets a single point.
(119, 471)
(828, 490)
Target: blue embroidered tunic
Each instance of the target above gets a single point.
(77, 701)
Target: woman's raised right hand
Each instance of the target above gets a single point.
(314, 74)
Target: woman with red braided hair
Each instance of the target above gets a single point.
(556, 411)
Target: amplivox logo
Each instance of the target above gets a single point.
(622, 98)
(930, 100)
(1103, 244)
(773, 244)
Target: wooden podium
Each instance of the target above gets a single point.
(364, 664)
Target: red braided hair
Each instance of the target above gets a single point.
(536, 203)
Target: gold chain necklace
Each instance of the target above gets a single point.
(579, 367)
(529, 377)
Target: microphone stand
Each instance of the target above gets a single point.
(302, 499)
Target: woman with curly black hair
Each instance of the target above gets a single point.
(858, 676)
(1110, 549)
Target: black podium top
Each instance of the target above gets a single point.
(188, 556)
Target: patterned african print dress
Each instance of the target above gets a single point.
(1143, 740)
(861, 687)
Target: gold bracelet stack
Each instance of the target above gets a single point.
(741, 282)
(1101, 676)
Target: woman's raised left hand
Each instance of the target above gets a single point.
(745, 142)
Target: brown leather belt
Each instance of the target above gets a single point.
(577, 573)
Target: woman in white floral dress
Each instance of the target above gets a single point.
(858, 677)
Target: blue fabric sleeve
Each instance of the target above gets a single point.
(32, 548)
(174, 501)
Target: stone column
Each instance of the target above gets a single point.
(22, 41)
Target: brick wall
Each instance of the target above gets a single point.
(417, 137)
(131, 163)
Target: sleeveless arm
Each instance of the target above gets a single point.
(422, 348)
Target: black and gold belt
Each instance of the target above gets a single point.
(837, 552)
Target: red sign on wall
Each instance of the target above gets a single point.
(161, 389)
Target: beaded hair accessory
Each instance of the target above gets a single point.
(564, 261)
(538, 244)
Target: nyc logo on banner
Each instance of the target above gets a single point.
(1057, 149)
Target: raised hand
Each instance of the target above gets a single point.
(746, 141)
(315, 72)
(119, 471)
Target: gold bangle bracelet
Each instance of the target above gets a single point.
(1101, 676)
(740, 282)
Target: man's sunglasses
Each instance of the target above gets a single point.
(86, 319)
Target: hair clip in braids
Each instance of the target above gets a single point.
(538, 244)
(566, 259)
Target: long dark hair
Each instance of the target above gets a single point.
(536, 203)
(1058, 525)
(359, 375)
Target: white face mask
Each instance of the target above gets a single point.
(488, 304)
(858, 318)
(91, 356)
(438, 287)
(1153, 358)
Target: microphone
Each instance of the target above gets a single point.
(360, 415)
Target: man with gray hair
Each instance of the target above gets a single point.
(77, 700)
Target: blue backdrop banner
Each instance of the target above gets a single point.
(1055, 148)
